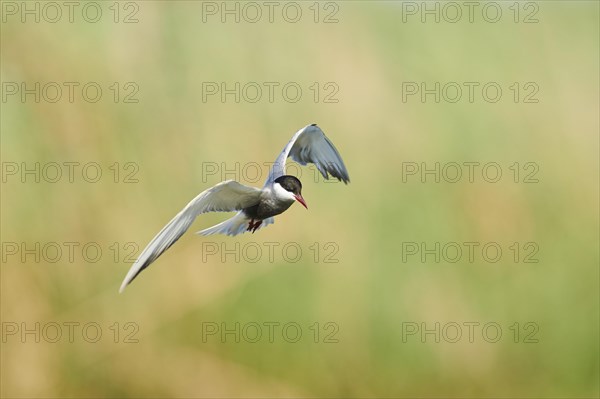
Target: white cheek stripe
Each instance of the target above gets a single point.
(282, 193)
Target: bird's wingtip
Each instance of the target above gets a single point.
(122, 288)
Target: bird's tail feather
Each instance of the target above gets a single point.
(234, 226)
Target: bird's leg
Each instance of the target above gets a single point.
(256, 225)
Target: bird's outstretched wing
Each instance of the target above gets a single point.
(224, 197)
(310, 145)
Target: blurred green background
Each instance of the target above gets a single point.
(372, 292)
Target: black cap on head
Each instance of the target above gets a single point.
(290, 183)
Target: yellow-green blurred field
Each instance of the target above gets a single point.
(372, 293)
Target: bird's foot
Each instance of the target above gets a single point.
(254, 225)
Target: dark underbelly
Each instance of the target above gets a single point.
(265, 210)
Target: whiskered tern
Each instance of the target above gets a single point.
(256, 207)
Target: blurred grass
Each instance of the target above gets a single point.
(370, 292)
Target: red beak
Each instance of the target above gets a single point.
(300, 200)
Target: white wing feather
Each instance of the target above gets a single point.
(226, 196)
(310, 145)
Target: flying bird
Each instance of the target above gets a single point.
(256, 207)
